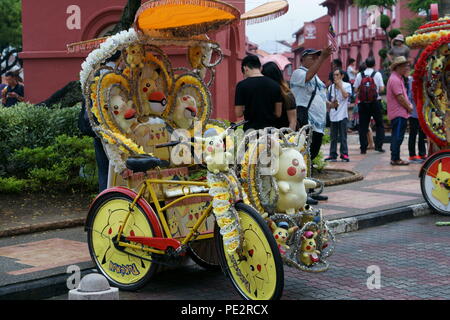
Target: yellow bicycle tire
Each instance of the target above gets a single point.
(119, 266)
(261, 274)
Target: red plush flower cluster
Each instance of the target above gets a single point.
(421, 65)
(434, 24)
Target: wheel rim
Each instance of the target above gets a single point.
(435, 175)
(117, 265)
(255, 277)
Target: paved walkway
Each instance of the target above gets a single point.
(23, 258)
(411, 257)
(384, 186)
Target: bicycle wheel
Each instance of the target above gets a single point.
(125, 268)
(435, 182)
(259, 274)
(204, 253)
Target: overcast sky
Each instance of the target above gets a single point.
(283, 27)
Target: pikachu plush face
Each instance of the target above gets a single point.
(441, 184)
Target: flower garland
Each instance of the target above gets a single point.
(106, 50)
(421, 73)
(226, 215)
(425, 39)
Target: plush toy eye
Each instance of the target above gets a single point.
(295, 162)
(211, 143)
(148, 85)
(133, 52)
(116, 107)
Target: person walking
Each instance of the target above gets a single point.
(351, 70)
(311, 98)
(399, 48)
(258, 98)
(398, 107)
(288, 117)
(415, 131)
(340, 92)
(368, 86)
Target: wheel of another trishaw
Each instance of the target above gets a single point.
(125, 268)
(435, 182)
(257, 272)
(204, 253)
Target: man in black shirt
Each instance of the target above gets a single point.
(14, 92)
(258, 98)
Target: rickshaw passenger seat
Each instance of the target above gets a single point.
(143, 163)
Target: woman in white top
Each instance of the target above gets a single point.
(339, 94)
(351, 70)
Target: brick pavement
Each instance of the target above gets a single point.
(413, 257)
(384, 186)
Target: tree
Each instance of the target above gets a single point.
(10, 35)
(421, 5)
(10, 24)
(387, 4)
(444, 7)
(128, 15)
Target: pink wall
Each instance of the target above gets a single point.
(355, 39)
(48, 67)
(320, 41)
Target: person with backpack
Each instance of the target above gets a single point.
(368, 85)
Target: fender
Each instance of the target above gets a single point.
(142, 202)
(431, 159)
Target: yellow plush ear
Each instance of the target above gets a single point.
(440, 167)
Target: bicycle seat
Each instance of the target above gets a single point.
(143, 163)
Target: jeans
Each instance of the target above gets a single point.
(102, 164)
(398, 133)
(414, 130)
(338, 132)
(316, 143)
(366, 111)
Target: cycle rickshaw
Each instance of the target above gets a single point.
(431, 89)
(222, 211)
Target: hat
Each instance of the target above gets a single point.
(399, 37)
(398, 61)
(310, 52)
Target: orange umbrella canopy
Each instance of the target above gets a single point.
(265, 12)
(184, 18)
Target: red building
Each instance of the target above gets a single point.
(313, 34)
(358, 35)
(49, 25)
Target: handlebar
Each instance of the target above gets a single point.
(175, 143)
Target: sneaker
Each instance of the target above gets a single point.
(345, 158)
(380, 150)
(363, 152)
(415, 159)
(424, 157)
(331, 159)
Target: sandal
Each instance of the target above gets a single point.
(399, 163)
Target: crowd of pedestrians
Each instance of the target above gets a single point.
(353, 99)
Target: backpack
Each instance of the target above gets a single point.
(368, 89)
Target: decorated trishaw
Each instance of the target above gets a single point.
(182, 183)
(432, 88)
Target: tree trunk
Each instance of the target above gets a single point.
(128, 15)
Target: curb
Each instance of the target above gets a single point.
(40, 227)
(356, 176)
(375, 219)
(40, 289)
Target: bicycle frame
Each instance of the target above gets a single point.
(168, 240)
